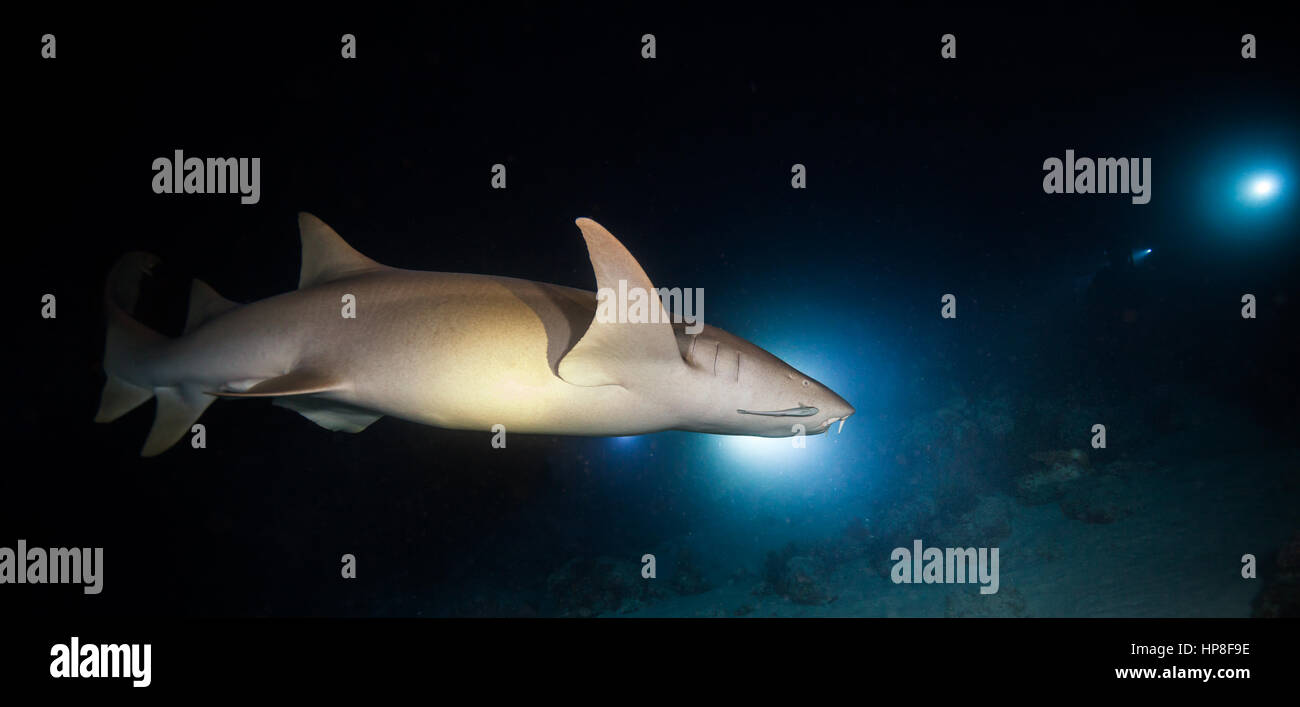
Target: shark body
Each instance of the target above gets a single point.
(452, 350)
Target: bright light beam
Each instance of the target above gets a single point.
(1261, 188)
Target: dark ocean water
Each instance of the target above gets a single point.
(924, 179)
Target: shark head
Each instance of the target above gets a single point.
(699, 377)
(740, 388)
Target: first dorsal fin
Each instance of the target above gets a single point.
(613, 352)
(205, 304)
(325, 255)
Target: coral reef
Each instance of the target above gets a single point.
(687, 578)
(1061, 469)
(1126, 467)
(1006, 603)
(799, 578)
(983, 525)
(585, 587)
(899, 523)
(957, 444)
(1101, 495)
(995, 417)
(1098, 499)
(1280, 595)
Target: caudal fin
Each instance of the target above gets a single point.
(130, 349)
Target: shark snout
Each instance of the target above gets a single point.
(839, 411)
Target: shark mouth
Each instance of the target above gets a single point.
(830, 421)
(791, 412)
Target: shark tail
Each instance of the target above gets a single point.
(131, 349)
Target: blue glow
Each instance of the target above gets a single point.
(1140, 254)
(771, 454)
(1244, 190)
(1260, 189)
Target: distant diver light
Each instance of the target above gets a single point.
(1261, 188)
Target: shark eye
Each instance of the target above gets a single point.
(806, 384)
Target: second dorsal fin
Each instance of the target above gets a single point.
(205, 304)
(325, 255)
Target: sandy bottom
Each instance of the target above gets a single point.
(1179, 555)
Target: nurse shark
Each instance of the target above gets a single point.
(457, 351)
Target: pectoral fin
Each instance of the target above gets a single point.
(298, 391)
(330, 414)
(610, 352)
